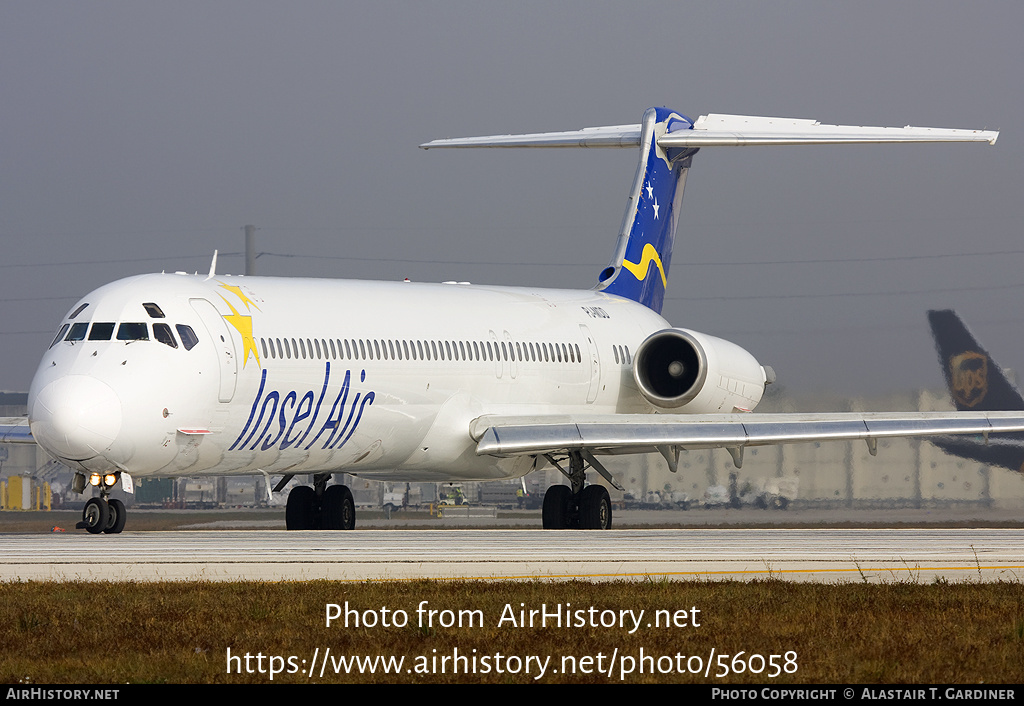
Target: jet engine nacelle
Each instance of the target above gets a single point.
(686, 371)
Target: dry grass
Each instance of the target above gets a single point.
(181, 632)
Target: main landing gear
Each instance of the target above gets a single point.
(577, 507)
(323, 506)
(103, 515)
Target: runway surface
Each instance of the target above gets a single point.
(825, 555)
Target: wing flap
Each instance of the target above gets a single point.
(631, 433)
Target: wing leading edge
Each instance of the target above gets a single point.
(669, 434)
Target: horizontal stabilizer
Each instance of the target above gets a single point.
(717, 130)
(638, 433)
(739, 130)
(610, 136)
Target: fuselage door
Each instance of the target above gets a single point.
(513, 366)
(595, 364)
(493, 341)
(225, 347)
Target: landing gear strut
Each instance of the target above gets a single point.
(320, 507)
(577, 507)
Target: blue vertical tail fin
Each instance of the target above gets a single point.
(643, 252)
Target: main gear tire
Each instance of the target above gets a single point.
(300, 512)
(556, 508)
(595, 508)
(339, 509)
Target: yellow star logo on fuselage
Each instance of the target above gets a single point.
(237, 291)
(243, 324)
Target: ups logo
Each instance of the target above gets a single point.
(969, 373)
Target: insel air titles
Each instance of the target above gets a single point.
(286, 416)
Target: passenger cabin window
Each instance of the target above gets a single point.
(133, 332)
(162, 333)
(153, 310)
(188, 336)
(101, 332)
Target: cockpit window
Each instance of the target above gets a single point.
(133, 332)
(188, 336)
(60, 334)
(162, 333)
(77, 311)
(77, 332)
(154, 311)
(101, 332)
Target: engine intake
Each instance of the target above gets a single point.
(677, 368)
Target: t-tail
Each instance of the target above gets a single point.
(975, 381)
(668, 140)
(643, 252)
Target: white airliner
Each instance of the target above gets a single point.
(184, 375)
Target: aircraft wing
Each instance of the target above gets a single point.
(14, 430)
(719, 130)
(670, 433)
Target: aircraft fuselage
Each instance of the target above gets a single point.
(378, 379)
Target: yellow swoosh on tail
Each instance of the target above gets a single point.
(639, 269)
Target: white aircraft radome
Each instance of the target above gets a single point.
(189, 375)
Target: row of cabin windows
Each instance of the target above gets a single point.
(127, 331)
(374, 349)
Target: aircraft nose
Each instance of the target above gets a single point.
(75, 417)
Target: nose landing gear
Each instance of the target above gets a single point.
(101, 515)
(95, 516)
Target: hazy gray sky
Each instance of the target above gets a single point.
(137, 137)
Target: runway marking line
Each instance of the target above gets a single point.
(874, 570)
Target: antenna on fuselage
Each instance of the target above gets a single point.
(250, 250)
(213, 267)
